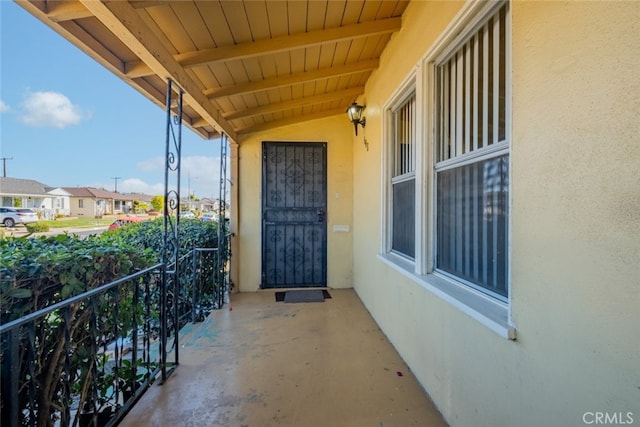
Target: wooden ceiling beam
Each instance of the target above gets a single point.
(289, 121)
(136, 69)
(296, 103)
(60, 11)
(76, 35)
(297, 78)
(281, 44)
(125, 23)
(199, 123)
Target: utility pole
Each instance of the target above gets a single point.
(4, 165)
(116, 178)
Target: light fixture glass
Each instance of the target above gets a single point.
(355, 113)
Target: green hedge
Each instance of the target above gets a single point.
(37, 227)
(147, 235)
(38, 272)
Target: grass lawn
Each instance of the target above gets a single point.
(78, 222)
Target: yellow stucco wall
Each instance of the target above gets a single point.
(336, 132)
(88, 210)
(575, 260)
(575, 235)
(576, 209)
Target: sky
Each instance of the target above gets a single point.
(66, 121)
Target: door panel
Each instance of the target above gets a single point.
(294, 200)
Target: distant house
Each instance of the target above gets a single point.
(141, 198)
(96, 202)
(28, 193)
(189, 204)
(208, 205)
(122, 203)
(203, 205)
(213, 205)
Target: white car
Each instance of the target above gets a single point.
(187, 215)
(12, 216)
(208, 217)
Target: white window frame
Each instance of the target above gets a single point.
(489, 311)
(394, 161)
(465, 148)
(408, 89)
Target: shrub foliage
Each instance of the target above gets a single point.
(37, 227)
(38, 272)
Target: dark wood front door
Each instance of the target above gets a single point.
(294, 205)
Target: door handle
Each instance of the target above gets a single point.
(320, 214)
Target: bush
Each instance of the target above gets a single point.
(147, 235)
(37, 227)
(157, 202)
(38, 272)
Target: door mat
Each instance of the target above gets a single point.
(311, 295)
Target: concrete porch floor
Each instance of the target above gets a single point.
(266, 363)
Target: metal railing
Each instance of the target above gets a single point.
(86, 360)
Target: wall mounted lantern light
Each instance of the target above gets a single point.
(356, 113)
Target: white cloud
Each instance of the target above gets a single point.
(200, 174)
(135, 185)
(4, 107)
(50, 109)
(152, 164)
(130, 185)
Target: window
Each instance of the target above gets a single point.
(447, 167)
(472, 160)
(403, 176)
(80, 203)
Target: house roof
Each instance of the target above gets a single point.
(243, 66)
(96, 193)
(99, 193)
(139, 196)
(27, 187)
(78, 191)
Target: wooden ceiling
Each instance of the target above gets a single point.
(244, 65)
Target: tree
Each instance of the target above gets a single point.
(157, 202)
(139, 206)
